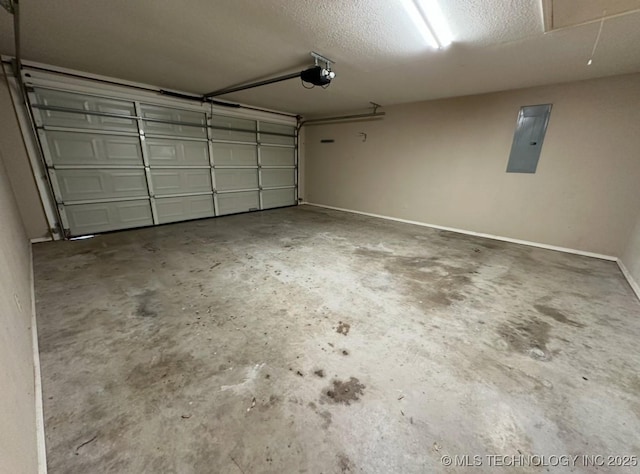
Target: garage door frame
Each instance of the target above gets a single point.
(47, 77)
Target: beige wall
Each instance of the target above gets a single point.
(631, 255)
(443, 162)
(18, 168)
(18, 453)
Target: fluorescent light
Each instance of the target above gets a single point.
(430, 21)
(418, 19)
(437, 20)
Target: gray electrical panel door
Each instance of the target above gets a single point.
(528, 138)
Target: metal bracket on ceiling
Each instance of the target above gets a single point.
(375, 107)
(320, 58)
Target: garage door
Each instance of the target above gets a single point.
(117, 164)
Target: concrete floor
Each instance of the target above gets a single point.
(308, 340)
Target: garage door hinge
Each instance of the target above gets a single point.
(56, 230)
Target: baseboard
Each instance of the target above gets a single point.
(476, 234)
(627, 274)
(41, 444)
(38, 240)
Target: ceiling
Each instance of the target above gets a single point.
(565, 13)
(200, 45)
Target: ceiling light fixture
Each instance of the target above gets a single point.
(430, 21)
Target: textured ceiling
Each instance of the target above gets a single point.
(201, 45)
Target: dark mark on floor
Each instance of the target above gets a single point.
(319, 373)
(557, 315)
(343, 328)
(345, 392)
(523, 335)
(170, 373)
(345, 352)
(345, 464)
(84, 444)
(445, 298)
(326, 416)
(488, 244)
(426, 278)
(150, 247)
(236, 463)
(147, 305)
(267, 405)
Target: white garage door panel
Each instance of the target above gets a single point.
(101, 217)
(164, 152)
(277, 139)
(276, 156)
(232, 203)
(123, 159)
(82, 149)
(82, 185)
(231, 154)
(231, 179)
(85, 103)
(174, 115)
(233, 135)
(278, 198)
(179, 181)
(184, 208)
(278, 177)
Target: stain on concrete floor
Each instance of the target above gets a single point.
(178, 348)
(344, 392)
(557, 315)
(343, 328)
(525, 334)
